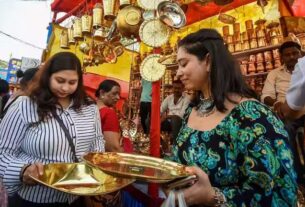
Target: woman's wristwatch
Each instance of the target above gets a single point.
(219, 198)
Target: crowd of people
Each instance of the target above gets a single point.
(241, 150)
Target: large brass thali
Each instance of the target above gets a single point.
(80, 179)
(140, 167)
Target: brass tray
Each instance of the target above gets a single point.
(140, 167)
(80, 179)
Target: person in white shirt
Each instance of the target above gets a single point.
(294, 106)
(173, 108)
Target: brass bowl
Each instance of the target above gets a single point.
(80, 179)
(171, 14)
(140, 167)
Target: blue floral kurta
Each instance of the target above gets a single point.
(245, 155)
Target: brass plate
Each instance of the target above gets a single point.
(140, 167)
(154, 33)
(151, 69)
(80, 179)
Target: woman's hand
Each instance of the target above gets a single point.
(35, 170)
(201, 192)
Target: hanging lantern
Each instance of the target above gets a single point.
(77, 29)
(109, 9)
(86, 23)
(70, 36)
(97, 15)
(64, 39)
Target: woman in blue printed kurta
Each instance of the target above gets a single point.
(239, 147)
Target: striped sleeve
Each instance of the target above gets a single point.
(98, 144)
(12, 131)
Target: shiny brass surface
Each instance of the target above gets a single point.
(171, 14)
(80, 179)
(140, 167)
(129, 20)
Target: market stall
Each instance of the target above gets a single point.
(128, 41)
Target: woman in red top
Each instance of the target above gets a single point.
(108, 94)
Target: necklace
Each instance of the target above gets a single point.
(205, 107)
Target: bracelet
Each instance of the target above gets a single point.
(22, 171)
(219, 198)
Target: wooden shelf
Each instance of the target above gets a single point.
(256, 74)
(253, 51)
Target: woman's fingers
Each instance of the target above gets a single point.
(34, 170)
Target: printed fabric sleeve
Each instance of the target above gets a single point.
(98, 144)
(266, 173)
(269, 86)
(12, 131)
(296, 93)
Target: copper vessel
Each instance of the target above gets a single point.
(261, 42)
(226, 30)
(236, 27)
(259, 57)
(231, 47)
(269, 65)
(251, 68)
(249, 24)
(245, 45)
(237, 46)
(260, 67)
(253, 43)
(230, 39)
(268, 56)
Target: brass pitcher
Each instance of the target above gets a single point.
(109, 9)
(86, 23)
(77, 29)
(64, 39)
(97, 15)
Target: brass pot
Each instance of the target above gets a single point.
(129, 20)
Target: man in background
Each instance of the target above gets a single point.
(173, 108)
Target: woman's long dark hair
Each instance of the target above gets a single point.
(225, 73)
(41, 92)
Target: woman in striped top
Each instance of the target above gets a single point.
(30, 136)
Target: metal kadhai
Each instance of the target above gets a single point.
(80, 179)
(140, 167)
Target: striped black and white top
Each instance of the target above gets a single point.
(22, 142)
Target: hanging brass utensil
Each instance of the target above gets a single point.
(97, 15)
(64, 40)
(77, 29)
(70, 36)
(86, 23)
